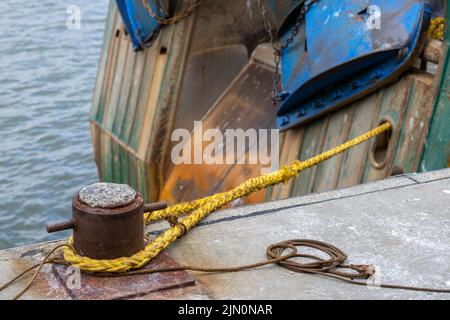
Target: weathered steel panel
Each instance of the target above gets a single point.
(437, 147)
(313, 137)
(338, 130)
(415, 125)
(234, 110)
(124, 106)
(354, 160)
(291, 143)
(205, 80)
(101, 97)
(105, 59)
(143, 97)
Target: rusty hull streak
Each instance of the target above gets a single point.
(168, 96)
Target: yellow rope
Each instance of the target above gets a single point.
(437, 29)
(201, 208)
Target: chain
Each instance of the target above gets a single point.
(278, 48)
(166, 21)
(277, 52)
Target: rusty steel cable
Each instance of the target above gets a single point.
(333, 267)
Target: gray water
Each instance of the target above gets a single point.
(47, 76)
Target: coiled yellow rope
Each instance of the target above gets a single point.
(437, 29)
(201, 208)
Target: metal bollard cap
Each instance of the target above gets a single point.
(107, 195)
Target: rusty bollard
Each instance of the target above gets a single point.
(107, 221)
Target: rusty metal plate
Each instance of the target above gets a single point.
(245, 104)
(114, 288)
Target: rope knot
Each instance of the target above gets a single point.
(173, 221)
(363, 269)
(286, 173)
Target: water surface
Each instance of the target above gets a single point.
(47, 76)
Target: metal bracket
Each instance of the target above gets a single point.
(336, 59)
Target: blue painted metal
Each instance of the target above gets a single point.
(141, 26)
(337, 59)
